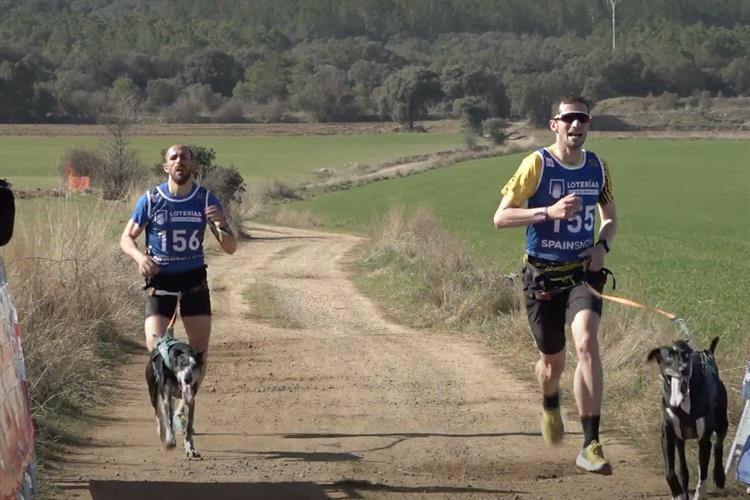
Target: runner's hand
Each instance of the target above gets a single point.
(566, 207)
(216, 216)
(147, 266)
(593, 258)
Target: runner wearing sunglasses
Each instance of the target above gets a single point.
(555, 193)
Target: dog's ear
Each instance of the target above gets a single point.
(683, 345)
(198, 358)
(655, 354)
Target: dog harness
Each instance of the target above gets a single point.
(684, 425)
(163, 345)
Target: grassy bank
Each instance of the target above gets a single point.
(69, 281)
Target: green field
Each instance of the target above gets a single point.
(682, 242)
(31, 161)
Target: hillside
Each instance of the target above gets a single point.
(672, 113)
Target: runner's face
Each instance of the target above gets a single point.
(571, 133)
(178, 165)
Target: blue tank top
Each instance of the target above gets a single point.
(174, 226)
(563, 240)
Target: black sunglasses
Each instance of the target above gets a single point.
(571, 117)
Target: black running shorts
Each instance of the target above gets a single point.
(194, 301)
(547, 318)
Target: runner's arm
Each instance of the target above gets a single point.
(146, 265)
(510, 214)
(221, 230)
(608, 227)
(516, 192)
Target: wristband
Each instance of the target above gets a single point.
(546, 213)
(604, 244)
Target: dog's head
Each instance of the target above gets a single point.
(677, 363)
(676, 369)
(186, 365)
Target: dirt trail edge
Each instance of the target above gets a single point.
(336, 403)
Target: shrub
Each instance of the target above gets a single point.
(666, 101)
(472, 111)
(113, 171)
(281, 190)
(81, 162)
(230, 112)
(495, 129)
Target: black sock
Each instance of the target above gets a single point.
(590, 429)
(551, 402)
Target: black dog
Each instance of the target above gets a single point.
(694, 403)
(173, 372)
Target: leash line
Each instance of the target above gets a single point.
(632, 303)
(172, 321)
(171, 294)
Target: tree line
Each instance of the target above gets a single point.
(343, 60)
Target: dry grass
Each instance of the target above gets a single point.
(293, 218)
(69, 282)
(444, 273)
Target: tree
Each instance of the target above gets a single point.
(495, 129)
(194, 103)
(737, 75)
(264, 80)
(215, 68)
(124, 89)
(366, 77)
(326, 94)
(122, 167)
(472, 111)
(532, 95)
(22, 95)
(407, 92)
(452, 81)
(160, 92)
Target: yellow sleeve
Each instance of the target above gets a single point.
(606, 195)
(524, 182)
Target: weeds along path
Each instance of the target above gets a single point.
(312, 394)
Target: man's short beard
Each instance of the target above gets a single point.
(575, 144)
(181, 182)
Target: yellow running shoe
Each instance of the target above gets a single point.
(552, 426)
(591, 459)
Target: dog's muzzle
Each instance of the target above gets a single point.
(675, 394)
(187, 393)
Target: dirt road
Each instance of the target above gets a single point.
(330, 400)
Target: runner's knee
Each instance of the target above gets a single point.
(198, 330)
(551, 367)
(587, 346)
